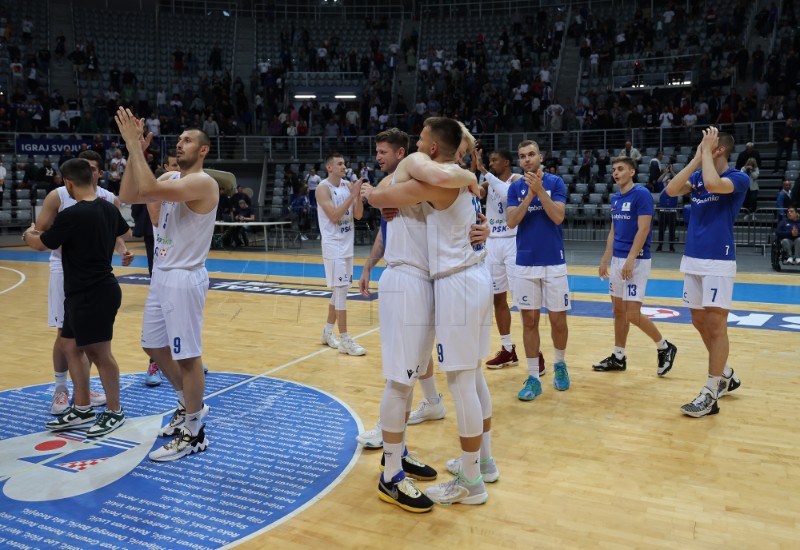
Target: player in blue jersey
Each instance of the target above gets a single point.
(537, 204)
(709, 261)
(628, 251)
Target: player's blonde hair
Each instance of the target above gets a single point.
(468, 137)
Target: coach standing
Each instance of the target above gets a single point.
(87, 233)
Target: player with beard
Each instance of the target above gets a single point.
(173, 315)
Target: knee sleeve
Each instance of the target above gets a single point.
(468, 407)
(394, 403)
(483, 394)
(339, 298)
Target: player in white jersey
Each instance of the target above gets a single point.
(173, 317)
(501, 250)
(628, 250)
(57, 200)
(462, 322)
(338, 205)
(537, 204)
(709, 260)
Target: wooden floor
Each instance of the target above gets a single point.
(611, 463)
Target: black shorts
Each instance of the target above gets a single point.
(89, 316)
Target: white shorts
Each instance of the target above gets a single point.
(632, 290)
(405, 311)
(463, 318)
(701, 291)
(173, 312)
(55, 300)
(501, 257)
(339, 272)
(550, 291)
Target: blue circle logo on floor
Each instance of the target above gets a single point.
(274, 448)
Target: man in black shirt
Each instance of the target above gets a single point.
(87, 233)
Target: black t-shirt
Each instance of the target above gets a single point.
(86, 233)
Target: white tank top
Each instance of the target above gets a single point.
(66, 202)
(449, 249)
(182, 237)
(496, 203)
(407, 239)
(337, 238)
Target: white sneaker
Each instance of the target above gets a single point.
(350, 347)
(426, 411)
(372, 439)
(183, 444)
(458, 491)
(330, 340)
(489, 470)
(97, 399)
(60, 402)
(178, 419)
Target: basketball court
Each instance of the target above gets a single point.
(610, 463)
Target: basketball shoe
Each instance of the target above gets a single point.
(178, 419)
(72, 418)
(329, 339)
(530, 389)
(153, 376)
(489, 469)
(106, 423)
(60, 402)
(183, 444)
(728, 384)
(504, 358)
(372, 439)
(97, 398)
(458, 491)
(611, 363)
(666, 358)
(704, 404)
(425, 411)
(413, 467)
(402, 492)
(560, 376)
(350, 347)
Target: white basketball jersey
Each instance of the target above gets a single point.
(66, 202)
(182, 237)
(407, 239)
(337, 238)
(496, 203)
(449, 249)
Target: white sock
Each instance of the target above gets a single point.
(328, 328)
(180, 398)
(471, 465)
(662, 344)
(429, 390)
(560, 355)
(61, 379)
(619, 352)
(393, 460)
(343, 335)
(506, 341)
(728, 371)
(533, 366)
(486, 446)
(713, 384)
(193, 423)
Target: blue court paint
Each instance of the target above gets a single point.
(275, 448)
(788, 294)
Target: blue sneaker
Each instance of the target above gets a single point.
(153, 376)
(561, 378)
(530, 390)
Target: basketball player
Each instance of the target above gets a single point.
(390, 148)
(709, 260)
(153, 375)
(501, 250)
(536, 204)
(173, 314)
(338, 203)
(462, 322)
(56, 201)
(87, 231)
(628, 250)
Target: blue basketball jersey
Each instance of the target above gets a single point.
(625, 212)
(540, 241)
(710, 232)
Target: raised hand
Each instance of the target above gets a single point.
(130, 128)
(534, 181)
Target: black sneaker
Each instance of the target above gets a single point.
(666, 357)
(727, 385)
(181, 445)
(704, 404)
(611, 363)
(72, 418)
(414, 468)
(402, 492)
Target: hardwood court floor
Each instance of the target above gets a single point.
(611, 463)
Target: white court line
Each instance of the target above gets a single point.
(21, 279)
